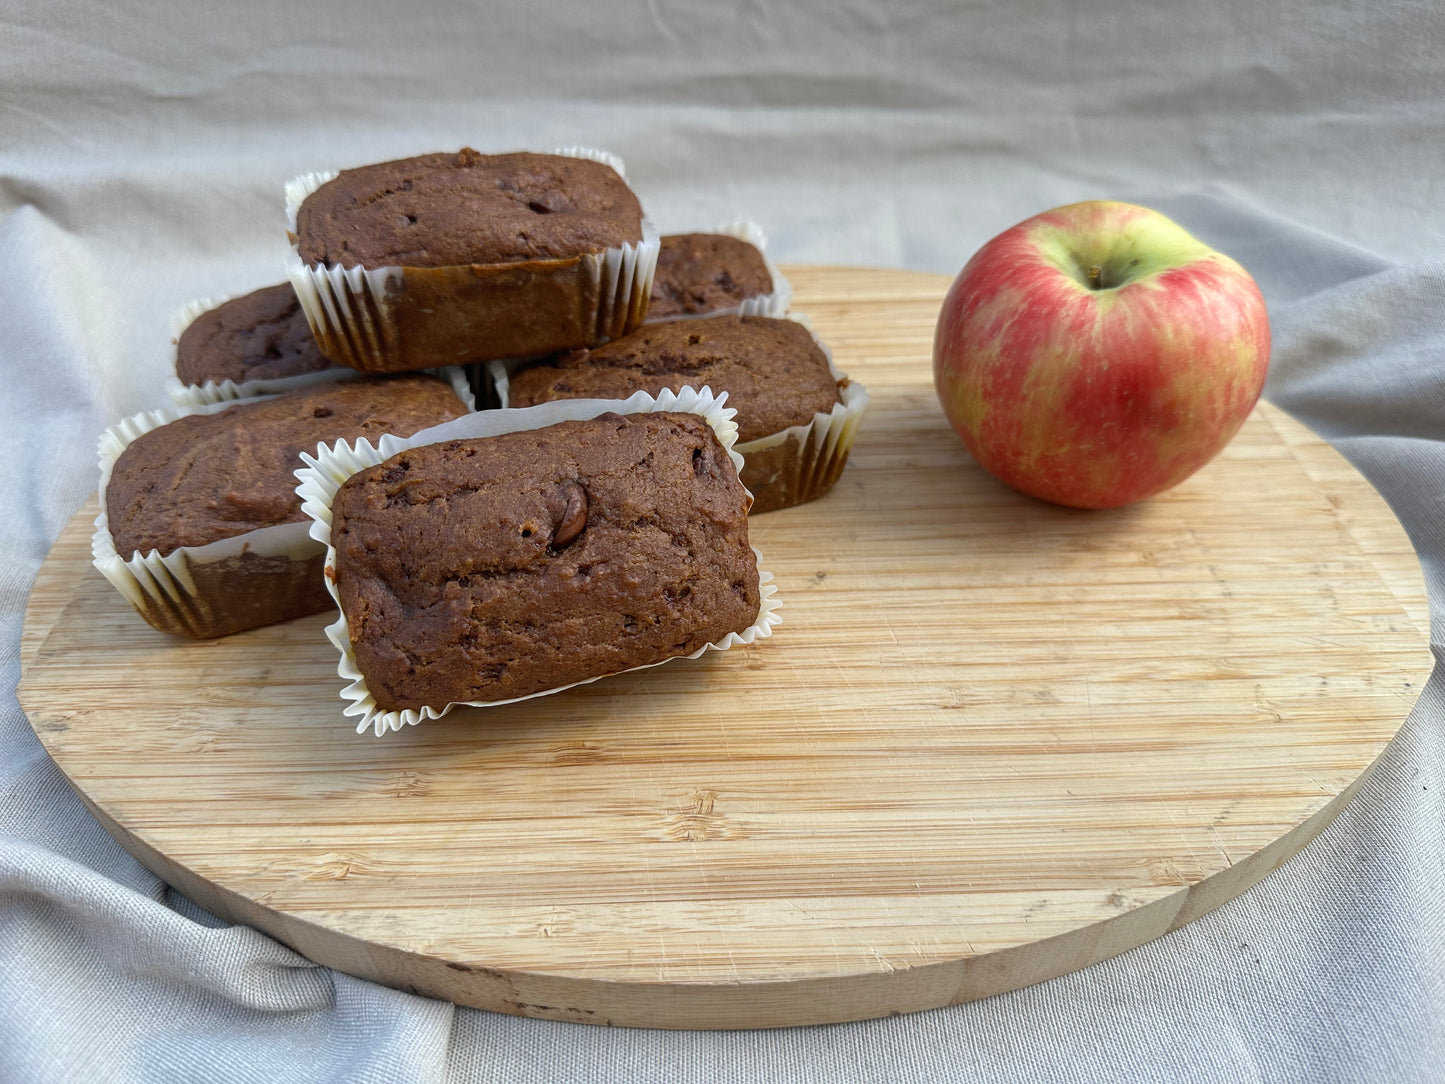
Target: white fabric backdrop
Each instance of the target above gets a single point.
(142, 150)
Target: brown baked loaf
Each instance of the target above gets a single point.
(208, 477)
(774, 372)
(699, 273)
(488, 569)
(440, 210)
(260, 336)
(470, 258)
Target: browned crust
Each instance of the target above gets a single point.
(699, 273)
(262, 335)
(490, 569)
(774, 372)
(209, 476)
(445, 210)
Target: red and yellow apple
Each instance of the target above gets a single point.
(1098, 354)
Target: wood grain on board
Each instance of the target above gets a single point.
(992, 742)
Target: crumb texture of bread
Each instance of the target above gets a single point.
(446, 210)
(261, 336)
(205, 477)
(489, 569)
(699, 273)
(775, 374)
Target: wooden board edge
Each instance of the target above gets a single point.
(1363, 512)
(736, 1006)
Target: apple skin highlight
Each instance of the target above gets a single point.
(1098, 354)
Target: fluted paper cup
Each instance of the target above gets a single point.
(396, 319)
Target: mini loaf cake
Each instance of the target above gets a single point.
(260, 336)
(483, 570)
(220, 475)
(447, 258)
(776, 375)
(702, 273)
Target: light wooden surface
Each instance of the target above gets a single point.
(993, 741)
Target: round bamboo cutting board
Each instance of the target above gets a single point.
(992, 742)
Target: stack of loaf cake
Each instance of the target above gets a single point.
(528, 434)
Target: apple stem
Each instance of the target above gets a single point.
(1096, 277)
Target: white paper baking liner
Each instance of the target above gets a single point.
(331, 467)
(230, 391)
(774, 304)
(166, 585)
(351, 310)
(823, 444)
